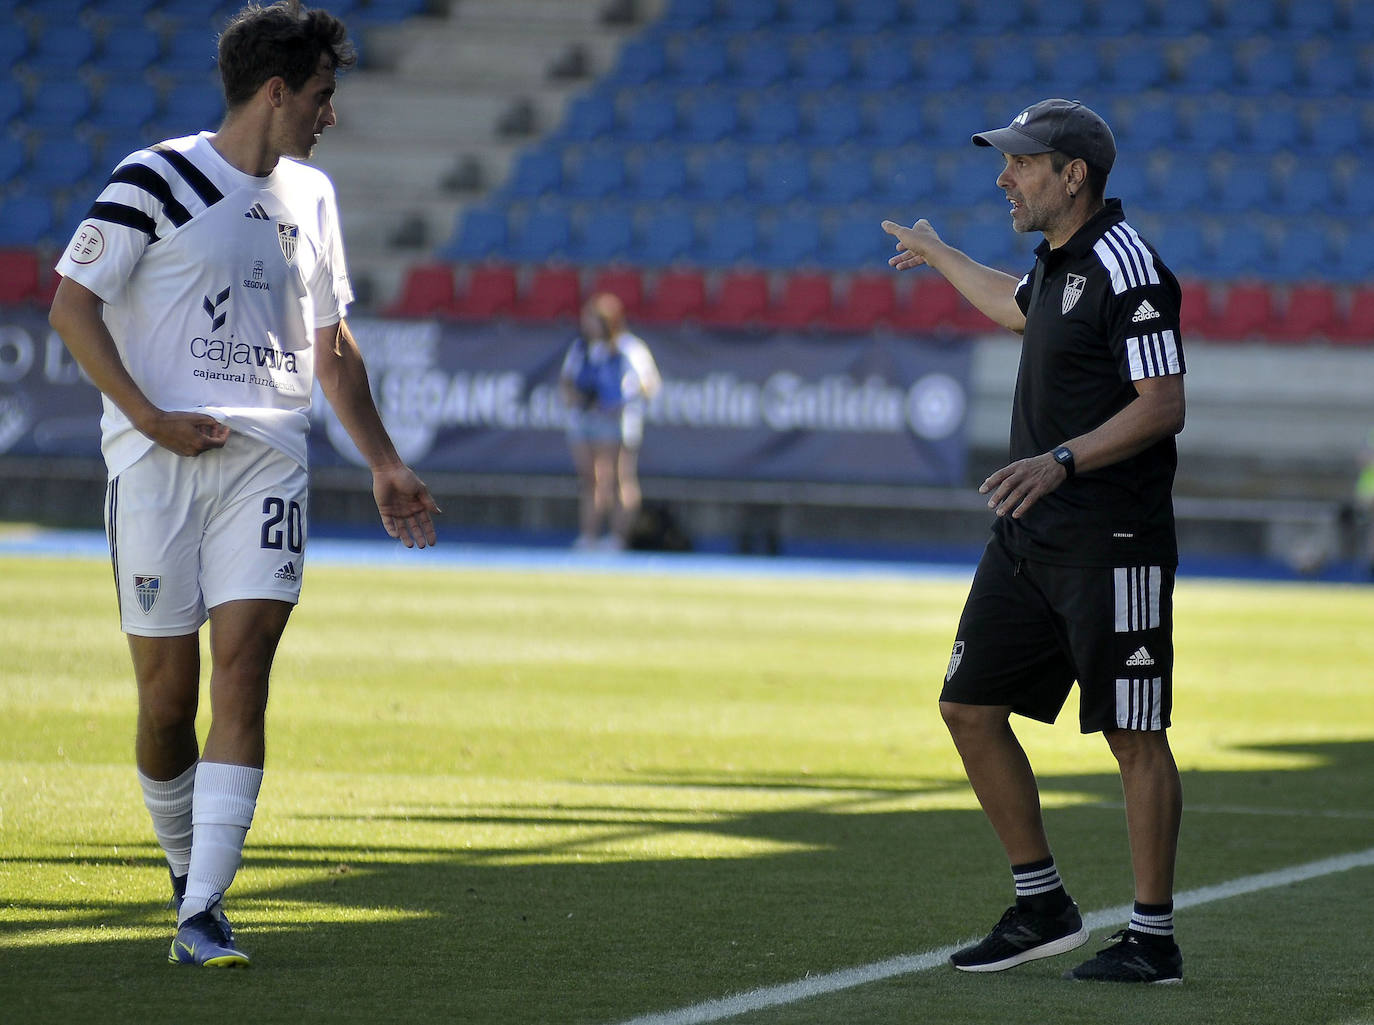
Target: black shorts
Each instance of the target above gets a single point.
(1030, 629)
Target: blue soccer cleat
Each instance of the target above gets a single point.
(205, 939)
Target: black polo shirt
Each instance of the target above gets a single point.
(1106, 315)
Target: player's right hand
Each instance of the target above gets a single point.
(186, 434)
(912, 243)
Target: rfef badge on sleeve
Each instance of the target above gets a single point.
(287, 234)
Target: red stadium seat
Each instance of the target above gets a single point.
(490, 292)
(18, 276)
(933, 304)
(625, 284)
(427, 290)
(804, 302)
(869, 301)
(1246, 312)
(678, 295)
(741, 300)
(1357, 326)
(554, 293)
(1309, 314)
(1198, 314)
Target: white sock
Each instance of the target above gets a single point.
(169, 803)
(225, 798)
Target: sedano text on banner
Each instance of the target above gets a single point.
(485, 399)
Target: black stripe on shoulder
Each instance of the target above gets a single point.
(118, 213)
(203, 186)
(155, 185)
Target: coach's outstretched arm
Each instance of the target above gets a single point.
(991, 291)
(402, 498)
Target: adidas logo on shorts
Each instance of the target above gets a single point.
(1141, 657)
(1144, 312)
(288, 572)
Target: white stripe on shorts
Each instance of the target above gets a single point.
(1138, 704)
(1137, 598)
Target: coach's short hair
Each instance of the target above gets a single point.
(284, 39)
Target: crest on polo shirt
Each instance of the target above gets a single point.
(146, 589)
(1073, 291)
(288, 235)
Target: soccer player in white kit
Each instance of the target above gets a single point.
(203, 294)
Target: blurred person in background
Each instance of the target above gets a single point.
(1364, 502)
(1077, 581)
(606, 380)
(204, 293)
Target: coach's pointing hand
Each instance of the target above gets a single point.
(913, 243)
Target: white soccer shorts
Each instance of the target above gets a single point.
(189, 533)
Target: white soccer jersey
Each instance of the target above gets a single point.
(214, 282)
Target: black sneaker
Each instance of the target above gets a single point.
(1133, 958)
(1023, 935)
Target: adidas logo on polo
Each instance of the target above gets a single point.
(1141, 657)
(1144, 312)
(288, 572)
(257, 213)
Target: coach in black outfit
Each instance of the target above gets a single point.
(1077, 581)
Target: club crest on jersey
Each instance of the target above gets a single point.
(288, 235)
(147, 588)
(955, 657)
(1073, 291)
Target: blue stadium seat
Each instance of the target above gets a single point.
(1311, 19)
(59, 162)
(388, 12)
(987, 236)
(666, 235)
(14, 159)
(596, 173)
(812, 15)
(892, 119)
(481, 232)
(689, 13)
(648, 116)
(907, 180)
(1055, 19)
(1116, 19)
(1266, 68)
(871, 16)
(1334, 128)
(936, 16)
(641, 60)
(588, 117)
(61, 48)
(720, 175)
(1134, 65)
(885, 62)
(660, 174)
(1307, 188)
(948, 65)
(189, 51)
(1070, 67)
(1242, 249)
(951, 122)
(57, 105)
(781, 177)
(1248, 18)
(822, 63)
(1271, 125)
(1244, 186)
(1359, 22)
(27, 218)
(1182, 183)
(191, 107)
(856, 240)
(1306, 250)
(790, 241)
(698, 59)
(1130, 181)
(708, 117)
(843, 178)
(1181, 17)
(1147, 124)
(12, 100)
(759, 61)
(128, 50)
(604, 236)
(1182, 243)
(994, 17)
(747, 15)
(834, 120)
(537, 172)
(731, 237)
(14, 44)
(127, 107)
(542, 233)
(1213, 124)
(1329, 71)
(1207, 64)
(771, 119)
(1006, 64)
(969, 177)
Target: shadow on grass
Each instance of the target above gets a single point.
(562, 932)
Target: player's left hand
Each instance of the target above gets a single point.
(1015, 488)
(405, 504)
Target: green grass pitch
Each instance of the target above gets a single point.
(575, 799)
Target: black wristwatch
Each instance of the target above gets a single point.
(1063, 455)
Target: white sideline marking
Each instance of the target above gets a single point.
(909, 964)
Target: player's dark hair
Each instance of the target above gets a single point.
(284, 39)
(1096, 180)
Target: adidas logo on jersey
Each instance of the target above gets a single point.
(288, 572)
(1142, 657)
(257, 213)
(1144, 312)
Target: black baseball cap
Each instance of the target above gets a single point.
(1063, 125)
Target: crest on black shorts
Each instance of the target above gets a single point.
(955, 657)
(1073, 291)
(287, 235)
(147, 589)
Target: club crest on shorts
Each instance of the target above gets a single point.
(955, 657)
(1073, 291)
(288, 235)
(147, 589)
